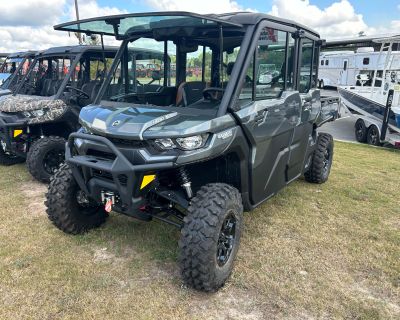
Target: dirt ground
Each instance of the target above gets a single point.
(326, 251)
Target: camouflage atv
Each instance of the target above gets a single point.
(36, 120)
(196, 154)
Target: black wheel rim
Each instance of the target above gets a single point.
(226, 239)
(373, 135)
(52, 160)
(359, 131)
(327, 160)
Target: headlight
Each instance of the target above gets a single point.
(33, 113)
(188, 143)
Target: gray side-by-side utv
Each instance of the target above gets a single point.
(14, 68)
(36, 120)
(196, 151)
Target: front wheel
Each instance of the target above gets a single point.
(45, 156)
(68, 207)
(321, 161)
(210, 236)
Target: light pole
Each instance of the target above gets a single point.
(78, 34)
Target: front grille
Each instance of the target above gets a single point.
(101, 154)
(128, 143)
(102, 174)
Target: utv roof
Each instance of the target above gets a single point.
(22, 54)
(121, 26)
(74, 50)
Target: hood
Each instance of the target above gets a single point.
(4, 92)
(3, 77)
(20, 103)
(142, 122)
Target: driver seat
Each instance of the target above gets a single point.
(189, 92)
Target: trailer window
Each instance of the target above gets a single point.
(327, 62)
(322, 62)
(366, 61)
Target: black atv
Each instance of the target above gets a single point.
(36, 120)
(196, 154)
(16, 65)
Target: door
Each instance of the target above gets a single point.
(269, 118)
(344, 72)
(310, 107)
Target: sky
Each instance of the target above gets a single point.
(28, 24)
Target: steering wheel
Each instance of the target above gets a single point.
(81, 93)
(212, 93)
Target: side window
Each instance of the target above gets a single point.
(271, 64)
(366, 61)
(246, 94)
(305, 65)
(322, 62)
(327, 62)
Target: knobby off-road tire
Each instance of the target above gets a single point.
(213, 224)
(45, 156)
(68, 208)
(321, 161)
(6, 158)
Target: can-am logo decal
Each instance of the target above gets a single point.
(116, 123)
(225, 134)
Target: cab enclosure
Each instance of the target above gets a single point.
(232, 123)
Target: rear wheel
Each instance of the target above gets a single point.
(360, 131)
(6, 157)
(210, 236)
(321, 161)
(373, 136)
(45, 157)
(68, 207)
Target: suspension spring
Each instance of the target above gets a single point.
(185, 181)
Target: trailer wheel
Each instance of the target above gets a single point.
(360, 131)
(68, 207)
(373, 136)
(321, 161)
(6, 158)
(45, 156)
(210, 236)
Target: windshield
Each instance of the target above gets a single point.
(139, 23)
(53, 75)
(20, 70)
(177, 71)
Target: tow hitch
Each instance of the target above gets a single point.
(108, 198)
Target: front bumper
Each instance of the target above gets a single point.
(13, 133)
(100, 166)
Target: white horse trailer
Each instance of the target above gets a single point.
(347, 68)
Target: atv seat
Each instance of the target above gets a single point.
(189, 93)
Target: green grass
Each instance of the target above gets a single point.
(313, 251)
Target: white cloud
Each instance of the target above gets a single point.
(30, 12)
(28, 24)
(198, 6)
(90, 9)
(335, 21)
